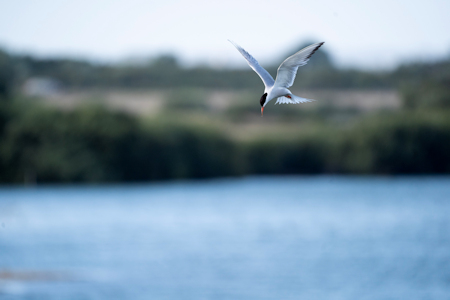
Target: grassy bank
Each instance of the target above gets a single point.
(93, 144)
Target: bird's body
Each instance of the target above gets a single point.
(279, 88)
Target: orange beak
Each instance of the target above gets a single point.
(262, 110)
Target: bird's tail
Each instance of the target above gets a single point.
(292, 100)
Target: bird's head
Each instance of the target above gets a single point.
(263, 102)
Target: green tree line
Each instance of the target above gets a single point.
(92, 144)
(166, 71)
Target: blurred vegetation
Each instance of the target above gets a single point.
(91, 143)
(426, 86)
(6, 75)
(187, 99)
(166, 72)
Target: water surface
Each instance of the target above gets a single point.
(250, 238)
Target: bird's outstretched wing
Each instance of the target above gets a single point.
(288, 69)
(253, 63)
(294, 100)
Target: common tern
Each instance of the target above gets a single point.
(285, 75)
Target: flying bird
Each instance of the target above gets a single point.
(285, 75)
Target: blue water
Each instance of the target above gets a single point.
(251, 238)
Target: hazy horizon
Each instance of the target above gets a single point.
(364, 35)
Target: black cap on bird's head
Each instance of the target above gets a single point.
(262, 101)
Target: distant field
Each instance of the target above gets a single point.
(150, 102)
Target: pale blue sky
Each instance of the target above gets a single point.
(371, 34)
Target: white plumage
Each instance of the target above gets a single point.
(286, 73)
(294, 100)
